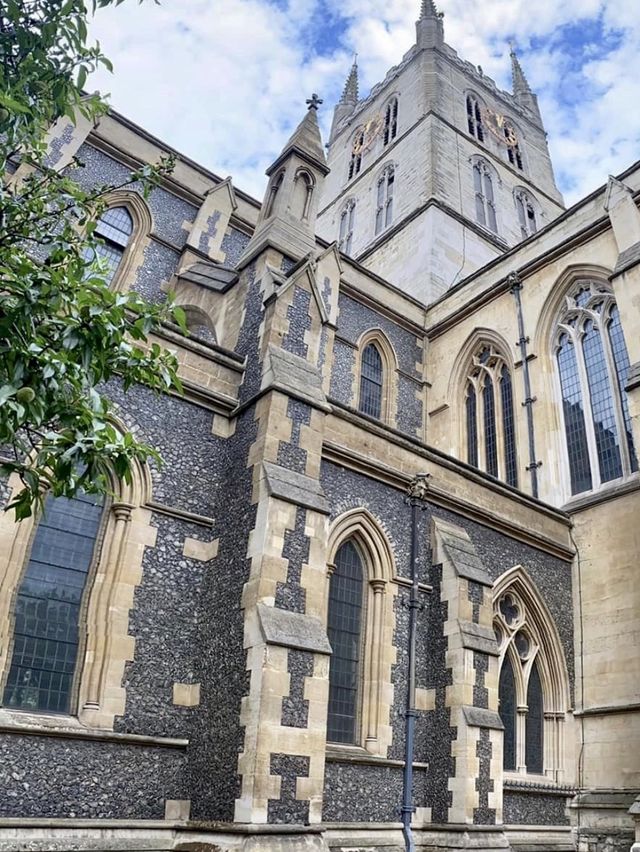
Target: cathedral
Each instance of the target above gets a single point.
(383, 593)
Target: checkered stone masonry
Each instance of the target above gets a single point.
(291, 454)
(299, 323)
(287, 809)
(483, 814)
(295, 708)
(291, 595)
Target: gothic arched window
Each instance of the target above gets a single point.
(344, 627)
(49, 603)
(592, 366)
(355, 162)
(507, 704)
(485, 200)
(391, 121)
(384, 200)
(474, 118)
(513, 148)
(526, 214)
(490, 419)
(347, 222)
(114, 230)
(371, 381)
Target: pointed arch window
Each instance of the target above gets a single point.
(474, 118)
(490, 418)
(514, 154)
(592, 363)
(485, 199)
(114, 230)
(347, 223)
(48, 606)
(371, 381)
(526, 214)
(391, 122)
(355, 162)
(345, 619)
(384, 200)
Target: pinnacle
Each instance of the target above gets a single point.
(350, 92)
(520, 84)
(306, 137)
(428, 10)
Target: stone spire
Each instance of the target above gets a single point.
(306, 140)
(521, 88)
(429, 27)
(348, 101)
(428, 10)
(520, 83)
(350, 91)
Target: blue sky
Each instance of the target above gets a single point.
(225, 81)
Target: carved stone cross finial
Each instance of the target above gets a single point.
(314, 102)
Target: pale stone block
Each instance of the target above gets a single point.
(186, 694)
(203, 551)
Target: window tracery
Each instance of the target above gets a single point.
(355, 161)
(592, 364)
(384, 201)
(526, 214)
(390, 122)
(484, 194)
(531, 687)
(514, 154)
(490, 419)
(347, 224)
(474, 118)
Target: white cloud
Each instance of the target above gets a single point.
(225, 81)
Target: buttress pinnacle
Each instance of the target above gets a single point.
(350, 92)
(428, 10)
(520, 84)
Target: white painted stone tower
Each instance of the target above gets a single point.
(437, 171)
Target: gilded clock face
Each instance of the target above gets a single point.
(498, 125)
(367, 134)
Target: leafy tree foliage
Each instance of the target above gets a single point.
(63, 332)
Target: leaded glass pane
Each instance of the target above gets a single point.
(534, 724)
(116, 225)
(371, 377)
(507, 710)
(508, 427)
(602, 407)
(344, 629)
(490, 442)
(472, 426)
(47, 610)
(621, 361)
(577, 449)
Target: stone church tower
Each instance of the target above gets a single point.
(437, 171)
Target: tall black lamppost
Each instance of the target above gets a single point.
(417, 499)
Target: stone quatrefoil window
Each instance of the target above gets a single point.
(49, 603)
(484, 195)
(384, 199)
(347, 224)
(521, 703)
(114, 231)
(490, 422)
(592, 362)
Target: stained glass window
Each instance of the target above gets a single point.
(371, 381)
(602, 410)
(48, 605)
(534, 724)
(578, 451)
(344, 630)
(507, 708)
(621, 361)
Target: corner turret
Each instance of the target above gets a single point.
(288, 214)
(429, 27)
